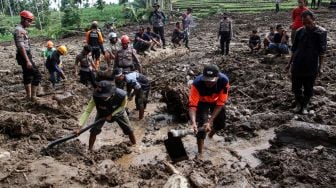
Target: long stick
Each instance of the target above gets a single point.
(66, 138)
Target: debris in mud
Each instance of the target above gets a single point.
(302, 154)
(19, 124)
(176, 98)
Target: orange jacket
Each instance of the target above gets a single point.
(90, 39)
(218, 94)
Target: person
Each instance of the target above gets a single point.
(110, 103)
(157, 20)
(49, 50)
(31, 74)
(318, 3)
(138, 85)
(115, 46)
(313, 4)
(186, 23)
(95, 39)
(269, 38)
(225, 34)
(208, 94)
(142, 41)
(126, 58)
(177, 35)
(53, 65)
(114, 42)
(280, 44)
(254, 41)
(306, 62)
(86, 67)
(277, 6)
(296, 18)
(154, 37)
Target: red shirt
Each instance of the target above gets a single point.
(296, 17)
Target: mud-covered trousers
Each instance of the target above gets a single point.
(202, 116)
(30, 76)
(307, 82)
(121, 118)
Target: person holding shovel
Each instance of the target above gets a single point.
(110, 103)
(208, 94)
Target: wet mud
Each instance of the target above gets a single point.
(259, 147)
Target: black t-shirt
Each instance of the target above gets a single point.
(144, 36)
(277, 38)
(255, 39)
(307, 47)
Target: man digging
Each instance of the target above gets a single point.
(208, 94)
(110, 103)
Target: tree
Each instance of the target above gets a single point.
(71, 17)
(100, 5)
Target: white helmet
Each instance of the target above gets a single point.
(112, 35)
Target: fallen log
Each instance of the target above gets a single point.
(306, 133)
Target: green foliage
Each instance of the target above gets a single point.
(100, 4)
(5, 26)
(71, 17)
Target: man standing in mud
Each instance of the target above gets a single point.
(126, 58)
(31, 74)
(208, 94)
(157, 20)
(306, 63)
(110, 104)
(225, 34)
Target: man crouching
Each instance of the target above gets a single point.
(110, 104)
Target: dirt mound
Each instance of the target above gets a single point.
(302, 154)
(20, 124)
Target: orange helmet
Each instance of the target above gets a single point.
(26, 14)
(125, 39)
(50, 44)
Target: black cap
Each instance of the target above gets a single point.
(117, 72)
(210, 73)
(156, 5)
(104, 89)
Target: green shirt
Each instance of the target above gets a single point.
(85, 116)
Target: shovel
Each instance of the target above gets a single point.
(73, 135)
(174, 145)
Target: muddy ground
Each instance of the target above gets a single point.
(261, 145)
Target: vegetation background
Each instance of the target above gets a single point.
(76, 15)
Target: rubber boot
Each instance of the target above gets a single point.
(132, 138)
(200, 145)
(141, 113)
(28, 89)
(92, 140)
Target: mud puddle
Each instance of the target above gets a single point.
(248, 148)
